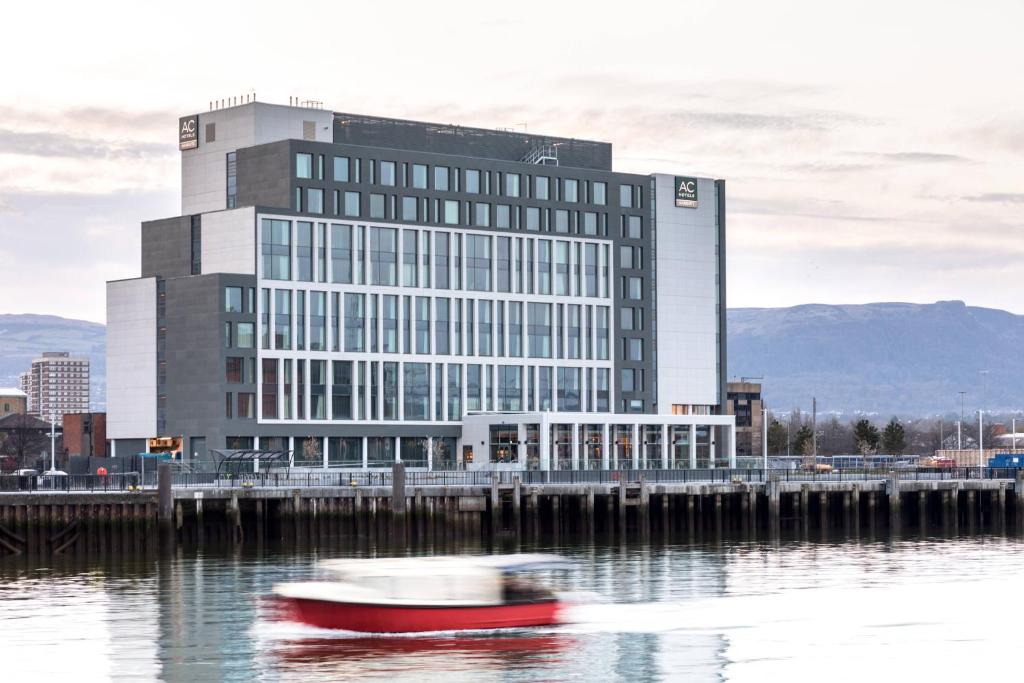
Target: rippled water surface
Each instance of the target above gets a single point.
(856, 609)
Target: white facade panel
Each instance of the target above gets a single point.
(131, 359)
(687, 305)
(204, 169)
(229, 241)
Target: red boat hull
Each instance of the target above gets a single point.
(370, 618)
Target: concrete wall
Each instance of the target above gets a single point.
(204, 169)
(131, 358)
(688, 297)
(229, 241)
(167, 247)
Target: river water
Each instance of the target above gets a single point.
(912, 608)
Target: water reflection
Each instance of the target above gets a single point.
(733, 608)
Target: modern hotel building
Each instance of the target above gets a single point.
(360, 290)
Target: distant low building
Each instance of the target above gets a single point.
(743, 399)
(12, 402)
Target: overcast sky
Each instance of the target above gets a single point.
(873, 151)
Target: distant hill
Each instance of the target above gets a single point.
(888, 358)
(885, 358)
(24, 337)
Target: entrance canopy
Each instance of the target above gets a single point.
(236, 460)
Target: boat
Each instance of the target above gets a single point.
(415, 595)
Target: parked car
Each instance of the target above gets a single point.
(53, 479)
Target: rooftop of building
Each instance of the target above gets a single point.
(448, 138)
(11, 392)
(504, 144)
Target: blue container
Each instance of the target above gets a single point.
(1007, 461)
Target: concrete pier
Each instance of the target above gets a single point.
(45, 521)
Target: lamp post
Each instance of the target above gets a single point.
(53, 442)
(981, 439)
(764, 438)
(959, 443)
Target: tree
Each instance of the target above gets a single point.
(894, 439)
(866, 433)
(803, 440)
(311, 450)
(777, 438)
(23, 438)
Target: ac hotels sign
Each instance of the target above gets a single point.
(686, 192)
(188, 132)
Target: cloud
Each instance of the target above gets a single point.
(997, 198)
(86, 121)
(917, 157)
(42, 144)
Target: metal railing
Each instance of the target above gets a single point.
(286, 478)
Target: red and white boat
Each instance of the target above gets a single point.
(410, 595)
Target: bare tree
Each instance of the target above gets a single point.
(22, 439)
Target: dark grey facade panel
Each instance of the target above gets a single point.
(264, 175)
(375, 131)
(167, 247)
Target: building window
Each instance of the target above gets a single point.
(561, 268)
(416, 385)
(341, 390)
(626, 196)
(276, 247)
(633, 288)
(196, 235)
(409, 208)
(233, 300)
(483, 214)
(539, 330)
(387, 173)
(282, 319)
(571, 192)
(441, 181)
(569, 390)
(352, 204)
(409, 269)
(419, 176)
(246, 335)
(541, 187)
(589, 223)
(478, 263)
(354, 319)
(314, 200)
(317, 321)
(246, 405)
(389, 323)
(472, 181)
(303, 166)
(511, 184)
(532, 218)
(600, 193)
(269, 381)
(383, 256)
(232, 180)
(376, 206)
(634, 350)
(304, 251)
(502, 216)
(561, 220)
(634, 229)
(341, 166)
(233, 370)
(451, 212)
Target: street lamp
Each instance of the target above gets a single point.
(53, 442)
(764, 437)
(959, 442)
(981, 439)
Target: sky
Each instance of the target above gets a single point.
(873, 151)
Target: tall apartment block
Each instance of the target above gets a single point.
(360, 290)
(57, 385)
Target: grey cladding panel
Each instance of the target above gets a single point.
(167, 247)
(265, 175)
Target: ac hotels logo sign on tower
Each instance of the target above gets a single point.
(686, 192)
(188, 132)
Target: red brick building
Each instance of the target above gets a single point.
(85, 434)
